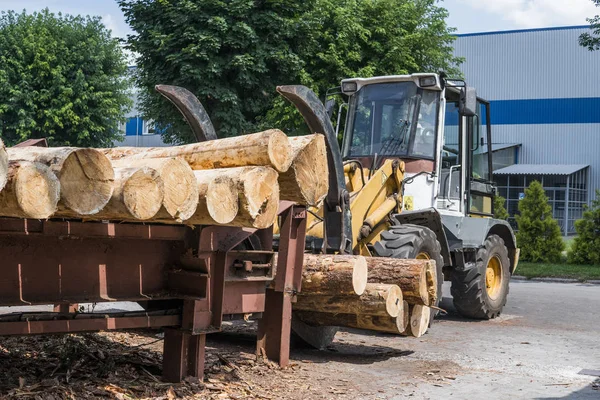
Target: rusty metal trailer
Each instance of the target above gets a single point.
(187, 279)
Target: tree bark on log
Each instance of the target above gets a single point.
(86, 176)
(307, 180)
(410, 275)
(32, 190)
(218, 202)
(378, 299)
(368, 322)
(334, 274)
(138, 195)
(268, 148)
(180, 188)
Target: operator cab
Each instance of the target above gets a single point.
(438, 127)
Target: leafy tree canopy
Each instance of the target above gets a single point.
(233, 54)
(62, 77)
(592, 40)
(539, 235)
(586, 245)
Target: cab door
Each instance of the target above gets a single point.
(480, 196)
(452, 158)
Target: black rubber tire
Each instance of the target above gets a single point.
(318, 337)
(469, 291)
(408, 241)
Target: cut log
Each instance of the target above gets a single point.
(218, 198)
(307, 180)
(138, 195)
(378, 299)
(268, 148)
(3, 165)
(334, 274)
(410, 275)
(258, 195)
(419, 321)
(180, 198)
(367, 322)
(86, 175)
(431, 274)
(404, 318)
(32, 191)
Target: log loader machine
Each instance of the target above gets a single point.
(412, 179)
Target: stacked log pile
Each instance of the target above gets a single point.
(228, 182)
(372, 293)
(235, 181)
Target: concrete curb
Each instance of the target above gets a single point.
(553, 280)
(519, 278)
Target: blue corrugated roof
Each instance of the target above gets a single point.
(541, 169)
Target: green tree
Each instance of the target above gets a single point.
(499, 208)
(61, 77)
(586, 246)
(233, 54)
(592, 40)
(538, 235)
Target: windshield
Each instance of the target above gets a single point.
(384, 121)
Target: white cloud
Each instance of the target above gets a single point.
(109, 21)
(538, 13)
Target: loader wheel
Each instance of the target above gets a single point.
(413, 242)
(481, 288)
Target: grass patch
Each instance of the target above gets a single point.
(541, 270)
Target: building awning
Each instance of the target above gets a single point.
(496, 147)
(541, 169)
(502, 146)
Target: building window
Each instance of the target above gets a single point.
(148, 128)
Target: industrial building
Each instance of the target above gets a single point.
(545, 113)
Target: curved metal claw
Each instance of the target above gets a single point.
(338, 230)
(191, 109)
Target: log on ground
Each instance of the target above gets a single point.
(420, 316)
(334, 274)
(432, 290)
(404, 318)
(138, 195)
(378, 299)
(180, 198)
(307, 180)
(86, 176)
(268, 148)
(410, 275)
(368, 322)
(32, 190)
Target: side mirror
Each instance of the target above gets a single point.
(468, 102)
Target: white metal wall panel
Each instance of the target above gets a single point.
(537, 64)
(556, 144)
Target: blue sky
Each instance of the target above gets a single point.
(467, 16)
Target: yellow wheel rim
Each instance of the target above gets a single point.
(493, 277)
(423, 256)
